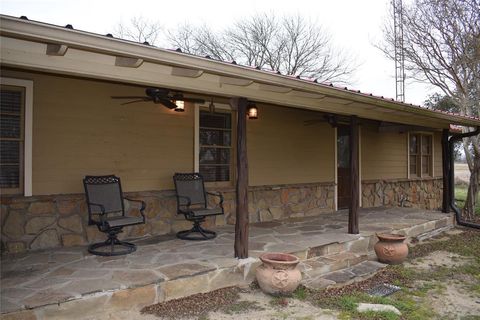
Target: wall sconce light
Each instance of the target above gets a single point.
(180, 105)
(252, 111)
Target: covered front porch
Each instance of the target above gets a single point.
(69, 282)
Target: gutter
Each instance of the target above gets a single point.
(458, 216)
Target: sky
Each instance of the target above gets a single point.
(355, 26)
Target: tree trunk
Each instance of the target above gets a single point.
(472, 194)
(241, 223)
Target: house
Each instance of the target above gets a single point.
(313, 148)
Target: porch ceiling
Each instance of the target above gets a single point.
(25, 45)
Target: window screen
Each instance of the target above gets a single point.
(215, 145)
(11, 138)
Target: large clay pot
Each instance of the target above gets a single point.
(391, 248)
(278, 275)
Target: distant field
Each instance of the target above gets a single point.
(462, 174)
(462, 177)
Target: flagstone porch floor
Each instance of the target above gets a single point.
(49, 284)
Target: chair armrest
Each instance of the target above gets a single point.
(189, 202)
(102, 208)
(216, 194)
(142, 208)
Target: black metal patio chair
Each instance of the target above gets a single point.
(192, 203)
(106, 210)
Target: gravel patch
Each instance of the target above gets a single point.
(194, 305)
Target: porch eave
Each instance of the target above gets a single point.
(214, 77)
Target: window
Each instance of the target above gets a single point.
(215, 146)
(420, 154)
(12, 138)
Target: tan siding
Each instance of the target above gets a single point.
(78, 130)
(384, 155)
(437, 154)
(283, 150)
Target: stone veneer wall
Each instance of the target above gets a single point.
(417, 193)
(40, 222)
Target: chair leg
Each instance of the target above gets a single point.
(196, 233)
(112, 246)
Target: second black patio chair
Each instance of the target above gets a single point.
(192, 203)
(106, 210)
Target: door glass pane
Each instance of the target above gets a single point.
(343, 151)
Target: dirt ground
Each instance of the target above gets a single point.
(451, 299)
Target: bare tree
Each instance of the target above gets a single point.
(442, 46)
(291, 45)
(140, 30)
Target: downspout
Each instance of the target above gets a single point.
(454, 138)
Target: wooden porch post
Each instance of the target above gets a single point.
(354, 177)
(446, 172)
(241, 223)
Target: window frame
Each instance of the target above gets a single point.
(26, 150)
(420, 155)
(219, 108)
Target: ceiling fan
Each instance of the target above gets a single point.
(165, 97)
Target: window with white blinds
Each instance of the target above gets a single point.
(12, 138)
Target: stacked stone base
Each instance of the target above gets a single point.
(412, 193)
(42, 222)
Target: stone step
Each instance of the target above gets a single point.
(358, 272)
(322, 265)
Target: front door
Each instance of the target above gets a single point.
(343, 167)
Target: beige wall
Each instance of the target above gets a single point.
(384, 155)
(78, 129)
(282, 149)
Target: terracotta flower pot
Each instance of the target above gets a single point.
(391, 248)
(278, 275)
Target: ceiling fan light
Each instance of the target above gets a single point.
(180, 105)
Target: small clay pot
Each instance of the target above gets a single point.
(278, 275)
(391, 248)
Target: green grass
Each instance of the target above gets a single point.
(347, 305)
(461, 196)
(416, 285)
(300, 293)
